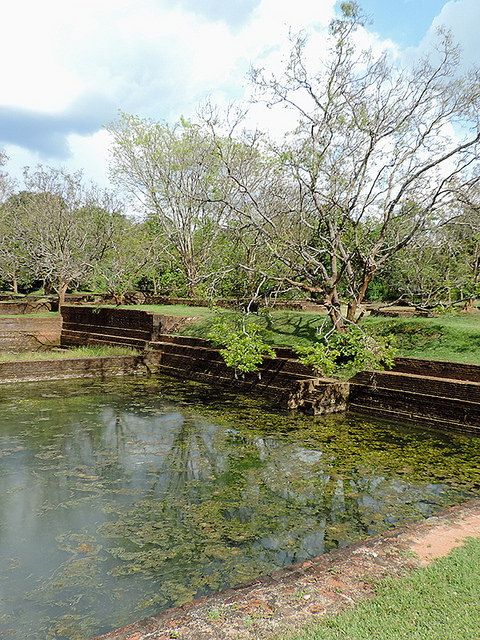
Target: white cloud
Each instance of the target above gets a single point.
(156, 58)
(462, 18)
(150, 57)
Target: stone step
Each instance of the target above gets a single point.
(210, 353)
(280, 394)
(428, 385)
(281, 352)
(416, 406)
(186, 364)
(79, 338)
(69, 327)
(438, 369)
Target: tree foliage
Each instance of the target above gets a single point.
(378, 156)
(242, 340)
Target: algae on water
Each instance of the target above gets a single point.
(133, 495)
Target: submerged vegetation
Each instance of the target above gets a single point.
(146, 493)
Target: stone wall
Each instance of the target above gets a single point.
(101, 325)
(59, 369)
(29, 333)
(452, 403)
(20, 307)
(287, 382)
(442, 393)
(451, 370)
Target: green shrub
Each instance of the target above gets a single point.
(345, 354)
(242, 341)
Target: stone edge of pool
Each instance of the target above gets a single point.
(67, 368)
(296, 595)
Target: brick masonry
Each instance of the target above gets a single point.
(59, 369)
(102, 325)
(29, 333)
(441, 393)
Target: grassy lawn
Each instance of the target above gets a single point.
(172, 309)
(437, 603)
(43, 314)
(455, 338)
(62, 354)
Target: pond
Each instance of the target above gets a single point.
(121, 498)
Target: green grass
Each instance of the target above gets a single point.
(43, 314)
(172, 309)
(283, 328)
(437, 603)
(454, 338)
(61, 354)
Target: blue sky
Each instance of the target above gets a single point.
(72, 65)
(404, 21)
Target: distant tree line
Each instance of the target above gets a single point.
(373, 195)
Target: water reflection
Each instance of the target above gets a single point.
(118, 499)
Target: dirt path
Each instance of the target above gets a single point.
(296, 595)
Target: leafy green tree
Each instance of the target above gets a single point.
(67, 227)
(127, 258)
(14, 260)
(173, 172)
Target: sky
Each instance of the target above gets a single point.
(69, 66)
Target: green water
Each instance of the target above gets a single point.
(121, 498)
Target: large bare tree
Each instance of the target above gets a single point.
(379, 153)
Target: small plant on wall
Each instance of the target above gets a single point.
(242, 342)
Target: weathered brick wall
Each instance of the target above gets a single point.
(100, 325)
(424, 385)
(452, 370)
(288, 383)
(446, 413)
(15, 307)
(29, 334)
(71, 368)
(444, 393)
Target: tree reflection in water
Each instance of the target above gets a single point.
(120, 498)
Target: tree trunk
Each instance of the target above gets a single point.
(62, 290)
(191, 289)
(335, 315)
(119, 298)
(15, 285)
(470, 304)
(357, 301)
(48, 287)
(332, 303)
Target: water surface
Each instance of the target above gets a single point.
(121, 498)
